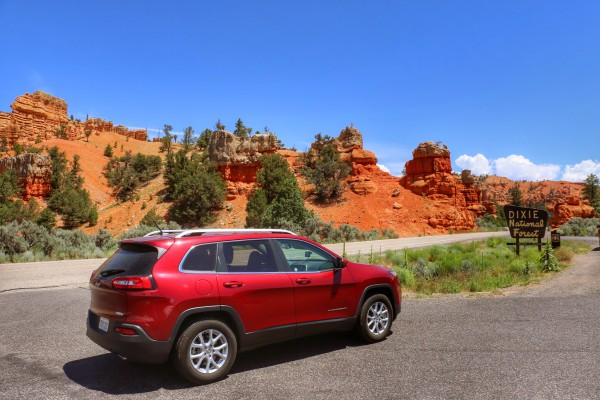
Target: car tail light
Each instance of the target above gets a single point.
(126, 331)
(132, 282)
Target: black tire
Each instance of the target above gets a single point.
(215, 347)
(375, 320)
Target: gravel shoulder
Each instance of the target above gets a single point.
(581, 278)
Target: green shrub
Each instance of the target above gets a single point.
(489, 223)
(104, 240)
(128, 173)
(323, 168)
(75, 206)
(406, 277)
(11, 243)
(108, 151)
(580, 227)
(548, 261)
(277, 201)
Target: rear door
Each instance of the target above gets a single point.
(250, 281)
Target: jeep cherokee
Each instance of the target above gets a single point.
(201, 296)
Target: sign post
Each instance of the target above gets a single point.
(526, 223)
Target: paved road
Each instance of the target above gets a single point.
(76, 273)
(533, 343)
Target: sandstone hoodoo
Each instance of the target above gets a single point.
(237, 158)
(350, 146)
(41, 116)
(429, 174)
(34, 172)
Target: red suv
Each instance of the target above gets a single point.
(201, 296)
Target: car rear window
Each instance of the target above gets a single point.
(130, 260)
(202, 258)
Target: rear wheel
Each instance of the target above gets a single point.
(375, 318)
(205, 351)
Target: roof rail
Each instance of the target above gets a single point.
(164, 231)
(197, 232)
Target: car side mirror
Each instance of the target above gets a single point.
(338, 263)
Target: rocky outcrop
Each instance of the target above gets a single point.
(34, 172)
(34, 116)
(237, 158)
(349, 139)
(349, 144)
(430, 171)
(362, 185)
(41, 116)
(569, 208)
(429, 174)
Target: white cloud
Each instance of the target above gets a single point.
(478, 164)
(517, 167)
(395, 168)
(383, 168)
(578, 172)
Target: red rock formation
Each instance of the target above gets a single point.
(236, 158)
(40, 116)
(34, 172)
(34, 116)
(572, 207)
(430, 171)
(429, 174)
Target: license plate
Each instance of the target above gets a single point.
(103, 324)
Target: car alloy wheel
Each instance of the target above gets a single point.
(378, 318)
(209, 351)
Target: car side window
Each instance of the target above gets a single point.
(248, 256)
(201, 258)
(302, 256)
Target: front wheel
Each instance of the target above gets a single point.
(375, 318)
(205, 351)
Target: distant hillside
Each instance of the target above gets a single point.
(430, 199)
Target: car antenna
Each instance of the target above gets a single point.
(156, 223)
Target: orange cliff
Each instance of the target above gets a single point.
(41, 116)
(33, 173)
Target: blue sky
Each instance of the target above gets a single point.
(512, 87)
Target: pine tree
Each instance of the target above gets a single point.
(324, 169)
(195, 187)
(219, 126)
(277, 201)
(204, 138)
(241, 130)
(516, 196)
(188, 138)
(591, 191)
(167, 140)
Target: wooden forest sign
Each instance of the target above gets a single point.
(526, 223)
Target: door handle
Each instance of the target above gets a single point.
(302, 281)
(233, 284)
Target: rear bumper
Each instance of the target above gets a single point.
(138, 347)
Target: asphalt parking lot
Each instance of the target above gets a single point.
(538, 342)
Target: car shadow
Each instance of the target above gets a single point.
(293, 350)
(110, 374)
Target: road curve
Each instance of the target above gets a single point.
(76, 273)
